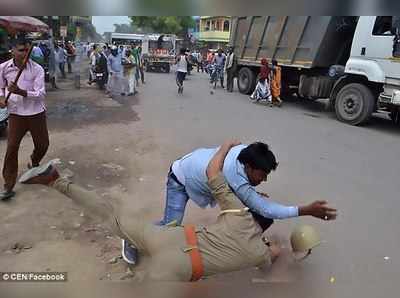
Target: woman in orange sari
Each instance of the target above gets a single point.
(276, 83)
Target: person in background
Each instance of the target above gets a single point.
(181, 70)
(219, 61)
(70, 55)
(276, 83)
(199, 60)
(61, 57)
(37, 55)
(189, 62)
(92, 64)
(141, 64)
(88, 50)
(230, 69)
(136, 55)
(52, 64)
(129, 72)
(262, 91)
(121, 50)
(115, 71)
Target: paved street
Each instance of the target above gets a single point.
(122, 149)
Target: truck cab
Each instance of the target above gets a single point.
(371, 80)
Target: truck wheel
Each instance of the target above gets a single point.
(167, 68)
(354, 104)
(246, 80)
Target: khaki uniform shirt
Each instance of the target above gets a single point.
(234, 242)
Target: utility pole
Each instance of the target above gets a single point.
(50, 23)
(78, 56)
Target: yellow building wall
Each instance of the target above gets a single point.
(212, 28)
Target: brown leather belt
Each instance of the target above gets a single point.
(197, 264)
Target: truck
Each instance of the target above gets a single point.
(354, 62)
(159, 52)
(158, 49)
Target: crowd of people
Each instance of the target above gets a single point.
(217, 64)
(122, 67)
(53, 56)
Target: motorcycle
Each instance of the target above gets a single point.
(3, 120)
(100, 72)
(100, 77)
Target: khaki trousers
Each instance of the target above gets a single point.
(164, 245)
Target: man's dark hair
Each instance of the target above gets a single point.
(20, 40)
(94, 46)
(182, 51)
(258, 156)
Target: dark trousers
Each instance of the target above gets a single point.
(264, 222)
(69, 63)
(61, 66)
(200, 66)
(18, 127)
(141, 74)
(229, 80)
(180, 77)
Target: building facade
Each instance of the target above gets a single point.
(214, 31)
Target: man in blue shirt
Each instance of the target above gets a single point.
(116, 84)
(244, 168)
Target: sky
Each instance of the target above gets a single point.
(105, 23)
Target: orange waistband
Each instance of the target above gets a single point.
(197, 264)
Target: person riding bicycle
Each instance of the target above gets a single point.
(219, 61)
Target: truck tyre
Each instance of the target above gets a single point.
(167, 68)
(354, 104)
(246, 80)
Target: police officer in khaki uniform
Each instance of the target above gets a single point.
(179, 253)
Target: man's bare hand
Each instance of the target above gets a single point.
(319, 209)
(275, 251)
(231, 143)
(2, 103)
(13, 88)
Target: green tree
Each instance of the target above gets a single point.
(172, 25)
(123, 28)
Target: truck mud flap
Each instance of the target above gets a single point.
(315, 87)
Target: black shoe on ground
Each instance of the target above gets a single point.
(129, 253)
(6, 195)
